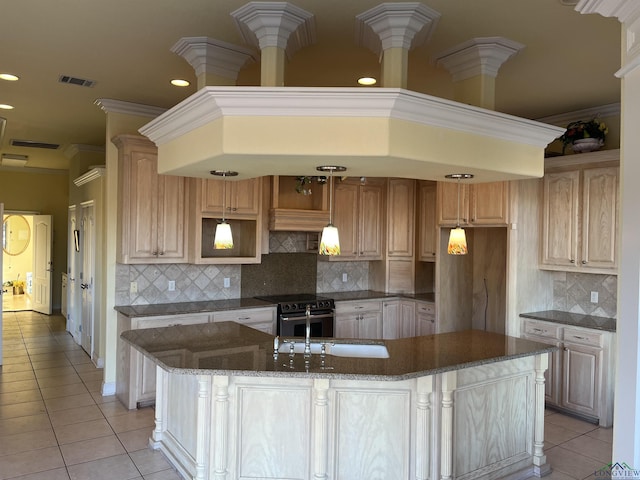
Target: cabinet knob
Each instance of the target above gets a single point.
(161, 253)
(584, 262)
(154, 253)
(572, 261)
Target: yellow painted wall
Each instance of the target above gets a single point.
(47, 194)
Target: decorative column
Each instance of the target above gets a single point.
(214, 61)
(474, 65)
(626, 421)
(391, 30)
(448, 387)
(540, 465)
(423, 428)
(321, 428)
(203, 432)
(220, 426)
(278, 29)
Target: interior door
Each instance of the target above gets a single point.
(87, 234)
(42, 264)
(1, 282)
(73, 267)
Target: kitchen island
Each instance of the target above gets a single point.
(463, 405)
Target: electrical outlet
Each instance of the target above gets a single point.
(172, 286)
(227, 282)
(344, 278)
(133, 287)
(594, 297)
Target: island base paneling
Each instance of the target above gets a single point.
(457, 424)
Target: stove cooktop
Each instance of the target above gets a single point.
(299, 302)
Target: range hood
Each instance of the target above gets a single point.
(375, 132)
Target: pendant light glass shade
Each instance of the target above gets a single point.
(457, 242)
(330, 240)
(457, 236)
(223, 239)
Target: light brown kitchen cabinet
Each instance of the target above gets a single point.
(400, 217)
(359, 319)
(242, 196)
(357, 213)
(398, 319)
(580, 375)
(292, 211)
(263, 318)
(580, 220)
(427, 228)
(153, 208)
(480, 203)
(425, 318)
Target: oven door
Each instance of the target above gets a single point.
(294, 325)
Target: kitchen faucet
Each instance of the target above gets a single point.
(307, 332)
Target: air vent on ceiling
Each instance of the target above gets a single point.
(34, 144)
(83, 82)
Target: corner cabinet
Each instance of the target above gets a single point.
(481, 204)
(153, 208)
(358, 216)
(580, 216)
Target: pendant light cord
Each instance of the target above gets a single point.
(331, 198)
(458, 213)
(224, 194)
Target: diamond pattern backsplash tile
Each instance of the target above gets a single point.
(331, 276)
(192, 283)
(572, 293)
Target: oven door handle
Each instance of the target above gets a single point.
(302, 317)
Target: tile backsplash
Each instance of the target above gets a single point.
(206, 282)
(572, 293)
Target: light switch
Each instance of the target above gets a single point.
(344, 277)
(227, 282)
(133, 287)
(172, 285)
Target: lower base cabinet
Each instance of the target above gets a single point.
(263, 319)
(358, 319)
(425, 318)
(580, 375)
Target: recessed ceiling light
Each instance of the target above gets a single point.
(367, 81)
(9, 77)
(4, 106)
(178, 82)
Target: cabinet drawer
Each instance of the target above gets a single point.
(169, 321)
(584, 337)
(426, 308)
(346, 308)
(245, 316)
(541, 329)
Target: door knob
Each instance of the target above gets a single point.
(84, 286)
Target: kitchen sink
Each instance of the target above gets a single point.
(357, 350)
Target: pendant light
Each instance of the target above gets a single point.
(223, 238)
(330, 240)
(457, 237)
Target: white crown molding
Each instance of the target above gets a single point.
(478, 56)
(75, 148)
(395, 25)
(206, 54)
(563, 119)
(128, 108)
(35, 170)
(623, 10)
(212, 103)
(275, 24)
(90, 176)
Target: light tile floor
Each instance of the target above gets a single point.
(55, 425)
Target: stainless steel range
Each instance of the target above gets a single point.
(292, 311)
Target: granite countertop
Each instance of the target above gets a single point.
(181, 308)
(575, 319)
(228, 348)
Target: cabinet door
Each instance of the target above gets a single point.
(489, 203)
(390, 319)
(599, 217)
(370, 325)
(347, 326)
(560, 219)
(400, 217)
(581, 378)
(142, 242)
(425, 318)
(345, 218)
(407, 319)
(370, 222)
(427, 233)
(553, 374)
(172, 218)
(448, 203)
(242, 196)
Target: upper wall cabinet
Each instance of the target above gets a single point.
(297, 207)
(580, 216)
(482, 204)
(400, 217)
(357, 214)
(427, 230)
(153, 208)
(242, 197)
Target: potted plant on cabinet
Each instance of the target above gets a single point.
(584, 136)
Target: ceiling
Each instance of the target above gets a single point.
(568, 62)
